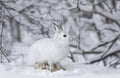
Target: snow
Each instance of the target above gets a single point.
(74, 70)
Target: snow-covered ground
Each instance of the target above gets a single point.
(74, 70)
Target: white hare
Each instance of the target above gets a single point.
(49, 50)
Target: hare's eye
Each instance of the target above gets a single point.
(64, 35)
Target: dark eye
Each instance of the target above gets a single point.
(64, 35)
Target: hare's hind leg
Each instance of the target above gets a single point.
(59, 66)
(52, 67)
(40, 66)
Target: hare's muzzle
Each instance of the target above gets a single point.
(71, 38)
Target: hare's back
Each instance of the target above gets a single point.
(44, 45)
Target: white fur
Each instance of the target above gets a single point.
(50, 50)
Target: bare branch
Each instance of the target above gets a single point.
(104, 57)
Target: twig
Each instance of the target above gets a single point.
(71, 57)
(113, 42)
(4, 55)
(1, 35)
(105, 43)
(102, 14)
(104, 57)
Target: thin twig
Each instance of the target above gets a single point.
(1, 35)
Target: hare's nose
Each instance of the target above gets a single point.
(71, 38)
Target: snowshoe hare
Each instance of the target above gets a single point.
(49, 51)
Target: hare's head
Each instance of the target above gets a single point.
(60, 34)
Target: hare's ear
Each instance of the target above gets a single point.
(56, 27)
(60, 26)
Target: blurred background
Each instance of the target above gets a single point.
(93, 24)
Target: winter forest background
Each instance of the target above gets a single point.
(93, 24)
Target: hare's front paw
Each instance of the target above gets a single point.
(61, 68)
(40, 66)
(54, 67)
